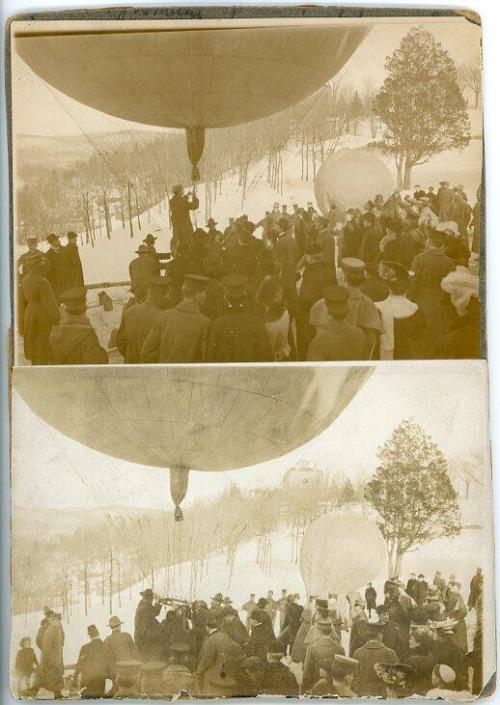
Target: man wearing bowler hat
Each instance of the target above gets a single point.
(239, 335)
(92, 666)
(341, 340)
(147, 627)
(179, 334)
(444, 201)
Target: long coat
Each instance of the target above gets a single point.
(177, 335)
(73, 266)
(324, 647)
(75, 342)
(279, 680)
(120, 647)
(147, 628)
(41, 314)
(135, 327)
(182, 227)
(316, 277)
(368, 655)
(220, 658)
(94, 667)
(141, 270)
(238, 336)
(57, 270)
(287, 256)
(51, 668)
(177, 678)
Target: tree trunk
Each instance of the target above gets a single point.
(476, 99)
(110, 581)
(129, 202)
(407, 176)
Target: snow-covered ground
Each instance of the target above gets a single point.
(108, 260)
(459, 556)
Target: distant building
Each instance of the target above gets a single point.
(302, 475)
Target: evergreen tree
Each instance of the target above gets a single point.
(412, 492)
(420, 104)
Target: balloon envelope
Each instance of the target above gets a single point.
(203, 417)
(341, 553)
(351, 177)
(190, 78)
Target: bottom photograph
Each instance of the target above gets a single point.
(229, 531)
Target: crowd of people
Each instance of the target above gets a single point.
(392, 280)
(412, 641)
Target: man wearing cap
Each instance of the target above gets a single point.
(218, 664)
(57, 266)
(373, 652)
(340, 340)
(141, 270)
(179, 334)
(249, 607)
(74, 341)
(180, 207)
(138, 320)
(41, 312)
(239, 335)
(146, 625)
(120, 646)
(92, 666)
(177, 678)
(444, 681)
(73, 265)
(325, 646)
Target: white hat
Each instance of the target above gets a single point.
(447, 674)
(448, 226)
(462, 285)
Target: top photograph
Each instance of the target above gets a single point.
(246, 190)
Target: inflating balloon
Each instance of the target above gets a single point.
(190, 78)
(350, 177)
(208, 418)
(341, 553)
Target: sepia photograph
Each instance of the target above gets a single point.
(247, 190)
(246, 530)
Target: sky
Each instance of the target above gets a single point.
(58, 472)
(41, 110)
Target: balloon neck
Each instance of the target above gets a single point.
(178, 515)
(195, 174)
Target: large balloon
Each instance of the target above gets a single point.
(207, 418)
(190, 78)
(341, 553)
(350, 177)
